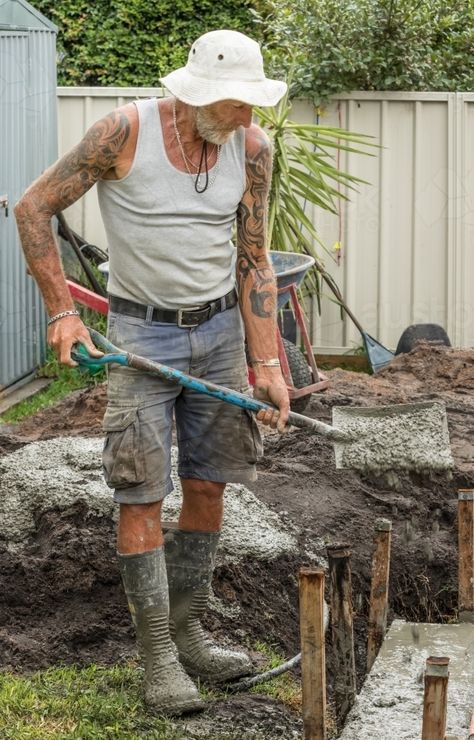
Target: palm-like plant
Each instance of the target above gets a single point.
(305, 171)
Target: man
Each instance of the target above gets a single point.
(173, 177)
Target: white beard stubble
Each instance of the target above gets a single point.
(209, 130)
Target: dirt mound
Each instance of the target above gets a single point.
(61, 602)
(60, 599)
(79, 414)
(426, 371)
(436, 368)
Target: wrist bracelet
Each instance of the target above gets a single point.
(62, 315)
(272, 362)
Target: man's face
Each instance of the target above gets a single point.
(217, 122)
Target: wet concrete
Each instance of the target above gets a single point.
(390, 704)
(46, 475)
(399, 437)
(58, 472)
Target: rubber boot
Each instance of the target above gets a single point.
(190, 558)
(167, 688)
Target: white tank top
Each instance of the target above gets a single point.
(168, 245)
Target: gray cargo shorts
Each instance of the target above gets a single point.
(216, 441)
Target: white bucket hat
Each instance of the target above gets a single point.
(224, 65)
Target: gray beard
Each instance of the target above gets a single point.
(209, 131)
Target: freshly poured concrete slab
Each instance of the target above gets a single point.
(390, 704)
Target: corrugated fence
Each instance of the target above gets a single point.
(27, 147)
(402, 249)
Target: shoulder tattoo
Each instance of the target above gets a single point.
(84, 165)
(67, 180)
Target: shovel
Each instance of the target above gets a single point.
(407, 436)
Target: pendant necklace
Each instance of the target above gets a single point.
(208, 181)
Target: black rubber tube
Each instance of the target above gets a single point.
(247, 683)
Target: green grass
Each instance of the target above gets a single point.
(103, 703)
(64, 380)
(287, 689)
(284, 688)
(69, 703)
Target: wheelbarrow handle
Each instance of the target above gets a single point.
(114, 355)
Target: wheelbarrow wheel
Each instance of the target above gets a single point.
(300, 372)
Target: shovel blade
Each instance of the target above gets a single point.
(400, 437)
(378, 355)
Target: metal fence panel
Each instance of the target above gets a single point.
(13, 302)
(27, 145)
(405, 238)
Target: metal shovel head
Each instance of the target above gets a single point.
(378, 355)
(401, 437)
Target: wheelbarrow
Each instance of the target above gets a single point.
(299, 370)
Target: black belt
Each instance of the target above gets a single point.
(186, 318)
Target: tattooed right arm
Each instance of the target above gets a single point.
(56, 189)
(256, 280)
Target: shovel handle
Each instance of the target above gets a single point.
(115, 355)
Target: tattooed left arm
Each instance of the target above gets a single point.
(255, 277)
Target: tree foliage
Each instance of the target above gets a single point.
(338, 45)
(342, 45)
(133, 42)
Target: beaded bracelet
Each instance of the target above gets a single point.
(272, 362)
(62, 316)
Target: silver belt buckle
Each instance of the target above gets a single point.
(185, 310)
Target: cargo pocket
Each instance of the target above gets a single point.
(252, 440)
(123, 460)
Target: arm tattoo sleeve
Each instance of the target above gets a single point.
(254, 274)
(261, 293)
(67, 180)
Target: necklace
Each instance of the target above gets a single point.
(196, 167)
(208, 182)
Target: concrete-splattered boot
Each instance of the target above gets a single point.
(167, 688)
(190, 560)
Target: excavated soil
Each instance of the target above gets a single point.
(60, 598)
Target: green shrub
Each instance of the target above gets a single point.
(344, 45)
(133, 42)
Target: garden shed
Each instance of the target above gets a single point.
(28, 144)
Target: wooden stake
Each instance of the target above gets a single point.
(379, 589)
(466, 554)
(313, 662)
(435, 699)
(339, 557)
